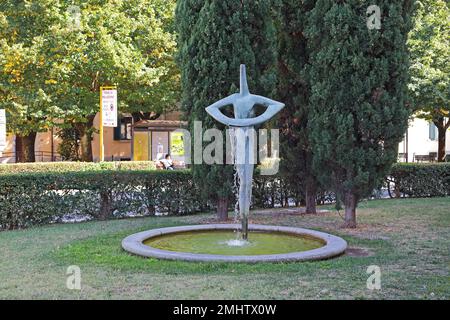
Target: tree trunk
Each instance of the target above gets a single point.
(222, 209)
(350, 202)
(25, 148)
(86, 147)
(310, 197)
(105, 205)
(442, 130)
(85, 132)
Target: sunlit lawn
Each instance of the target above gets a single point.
(407, 238)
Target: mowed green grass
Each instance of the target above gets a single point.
(407, 238)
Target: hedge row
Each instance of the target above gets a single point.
(277, 191)
(33, 194)
(74, 166)
(38, 198)
(33, 198)
(419, 180)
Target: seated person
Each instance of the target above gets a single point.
(167, 162)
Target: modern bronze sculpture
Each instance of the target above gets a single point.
(203, 242)
(243, 106)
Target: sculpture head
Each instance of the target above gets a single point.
(243, 82)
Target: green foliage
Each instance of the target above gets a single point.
(39, 193)
(421, 180)
(53, 59)
(125, 43)
(429, 44)
(42, 167)
(294, 90)
(24, 65)
(214, 38)
(358, 96)
(281, 190)
(37, 198)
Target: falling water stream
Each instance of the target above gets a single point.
(240, 144)
(241, 128)
(237, 242)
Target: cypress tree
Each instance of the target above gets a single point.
(359, 105)
(293, 89)
(215, 37)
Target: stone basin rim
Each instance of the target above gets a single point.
(333, 247)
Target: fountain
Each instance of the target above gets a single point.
(241, 126)
(215, 242)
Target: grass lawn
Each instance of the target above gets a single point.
(407, 238)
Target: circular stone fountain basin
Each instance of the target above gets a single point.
(217, 242)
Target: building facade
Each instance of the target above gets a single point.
(152, 139)
(421, 142)
(144, 140)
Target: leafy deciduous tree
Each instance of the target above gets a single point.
(24, 71)
(55, 55)
(130, 44)
(429, 43)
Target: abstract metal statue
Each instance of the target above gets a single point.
(243, 105)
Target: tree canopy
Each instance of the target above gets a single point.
(429, 44)
(24, 65)
(55, 55)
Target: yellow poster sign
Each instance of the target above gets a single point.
(177, 144)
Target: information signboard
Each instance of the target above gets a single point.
(109, 108)
(2, 130)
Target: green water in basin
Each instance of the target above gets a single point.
(218, 242)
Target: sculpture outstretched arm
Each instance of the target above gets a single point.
(214, 109)
(273, 107)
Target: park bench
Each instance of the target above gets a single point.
(176, 165)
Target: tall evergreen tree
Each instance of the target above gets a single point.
(358, 94)
(215, 37)
(293, 89)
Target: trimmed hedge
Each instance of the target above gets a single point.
(34, 198)
(74, 166)
(281, 191)
(41, 193)
(420, 180)
(38, 198)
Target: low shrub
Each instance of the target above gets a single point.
(420, 180)
(41, 193)
(74, 166)
(38, 198)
